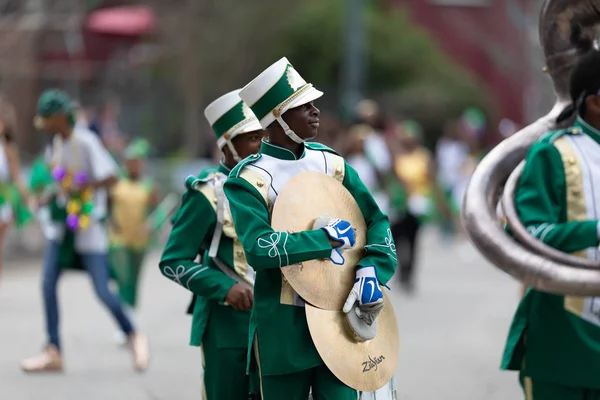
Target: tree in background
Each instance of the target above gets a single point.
(210, 47)
(406, 70)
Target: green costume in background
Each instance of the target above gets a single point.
(129, 234)
(554, 340)
(41, 176)
(12, 198)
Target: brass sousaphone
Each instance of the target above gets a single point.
(362, 365)
(567, 27)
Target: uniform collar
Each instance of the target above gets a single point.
(280, 152)
(222, 168)
(588, 129)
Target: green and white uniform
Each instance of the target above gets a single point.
(288, 361)
(221, 330)
(203, 226)
(554, 340)
(284, 343)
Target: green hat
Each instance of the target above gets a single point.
(276, 90)
(138, 149)
(229, 117)
(54, 101)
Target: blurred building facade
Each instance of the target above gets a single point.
(488, 37)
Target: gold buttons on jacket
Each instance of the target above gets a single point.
(260, 184)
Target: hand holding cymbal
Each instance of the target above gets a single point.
(363, 364)
(322, 282)
(341, 235)
(364, 303)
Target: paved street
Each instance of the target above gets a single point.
(452, 335)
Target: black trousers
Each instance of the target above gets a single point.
(405, 233)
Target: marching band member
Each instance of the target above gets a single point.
(554, 340)
(13, 194)
(288, 361)
(223, 282)
(83, 172)
(131, 200)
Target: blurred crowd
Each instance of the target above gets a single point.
(412, 183)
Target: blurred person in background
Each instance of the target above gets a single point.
(83, 171)
(415, 169)
(375, 146)
(451, 153)
(223, 282)
(107, 124)
(368, 151)
(472, 128)
(355, 154)
(132, 200)
(14, 197)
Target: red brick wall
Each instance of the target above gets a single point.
(485, 40)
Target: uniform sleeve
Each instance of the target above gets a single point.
(264, 247)
(380, 250)
(195, 220)
(102, 164)
(541, 201)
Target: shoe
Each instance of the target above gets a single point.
(49, 361)
(141, 351)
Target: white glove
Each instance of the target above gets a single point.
(367, 292)
(340, 230)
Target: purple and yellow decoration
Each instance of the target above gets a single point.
(80, 205)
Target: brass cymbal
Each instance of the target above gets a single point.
(304, 198)
(365, 366)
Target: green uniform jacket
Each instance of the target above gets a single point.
(557, 338)
(278, 318)
(193, 228)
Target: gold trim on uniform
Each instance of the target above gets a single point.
(339, 171)
(528, 388)
(576, 206)
(240, 263)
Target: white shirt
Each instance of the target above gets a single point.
(377, 152)
(83, 152)
(451, 156)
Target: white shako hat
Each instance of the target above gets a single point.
(276, 90)
(229, 116)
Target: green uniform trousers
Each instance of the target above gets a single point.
(126, 265)
(224, 369)
(325, 386)
(541, 390)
